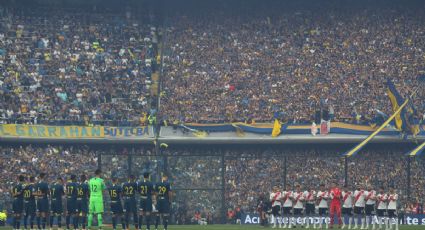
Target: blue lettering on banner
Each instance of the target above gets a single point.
(126, 131)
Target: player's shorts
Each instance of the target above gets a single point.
(287, 210)
(323, 211)
(163, 206)
(380, 212)
(276, 210)
(56, 206)
(358, 210)
(116, 207)
(370, 209)
(298, 211)
(82, 206)
(43, 205)
(18, 206)
(146, 205)
(347, 211)
(392, 213)
(71, 206)
(309, 209)
(96, 206)
(30, 208)
(130, 205)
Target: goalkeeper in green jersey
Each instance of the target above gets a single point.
(96, 186)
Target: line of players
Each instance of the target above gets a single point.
(32, 198)
(359, 207)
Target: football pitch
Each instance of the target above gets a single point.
(227, 227)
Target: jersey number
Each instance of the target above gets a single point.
(80, 192)
(70, 190)
(113, 193)
(129, 190)
(144, 189)
(94, 188)
(53, 191)
(162, 190)
(27, 193)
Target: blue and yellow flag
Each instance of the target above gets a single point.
(417, 151)
(396, 101)
(276, 128)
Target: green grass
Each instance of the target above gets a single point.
(229, 227)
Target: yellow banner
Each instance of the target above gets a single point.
(44, 131)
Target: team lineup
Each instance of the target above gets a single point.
(36, 200)
(362, 208)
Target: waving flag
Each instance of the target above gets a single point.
(276, 128)
(396, 101)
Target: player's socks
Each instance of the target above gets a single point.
(99, 220)
(148, 222)
(136, 220)
(90, 220)
(14, 222)
(123, 223)
(67, 220)
(127, 220)
(83, 222)
(44, 222)
(156, 222)
(59, 219)
(51, 221)
(165, 222)
(395, 219)
(373, 223)
(38, 222)
(26, 222)
(18, 223)
(140, 222)
(363, 220)
(75, 221)
(32, 221)
(114, 222)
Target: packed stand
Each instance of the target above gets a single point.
(196, 180)
(230, 63)
(54, 160)
(75, 66)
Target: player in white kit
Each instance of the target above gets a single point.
(381, 207)
(275, 198)
(310, 210)
(287, 200)
(298, 205)
(347, 207)
(359, 206)
(370, 207)
(392, 209)
(322, 202)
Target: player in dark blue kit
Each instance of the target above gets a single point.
(42, 193)
(56, 194)
(145, 189)
(130, 207)
(82, 201)
(29, 203)
(18, 201)
(115, 192)
(71, 201)
(163, 199)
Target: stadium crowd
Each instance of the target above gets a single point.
(197, 181)
(253, 62)
(79, 66)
